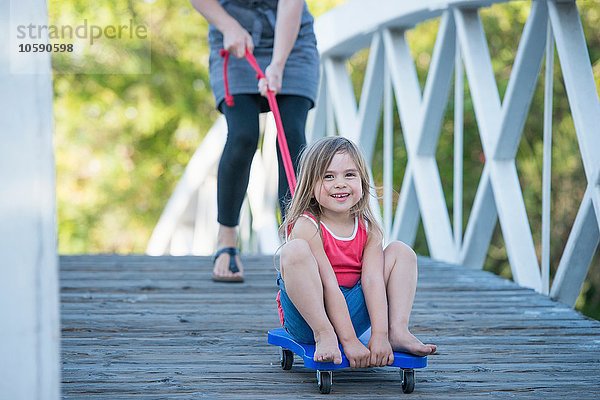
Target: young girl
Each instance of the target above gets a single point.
(336, 280)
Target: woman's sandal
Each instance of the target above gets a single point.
(233, 267)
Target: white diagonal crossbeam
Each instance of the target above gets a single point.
(406, 218)
(421, 121)
(500, 128)
(578, 254)
(522, 82)
(317, 118)
(371, 98)
(480, 228)
(357, 123)
(405, 82)
(437, 87)
(341, 96)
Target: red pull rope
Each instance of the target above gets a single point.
(228, 97)
(281, 140)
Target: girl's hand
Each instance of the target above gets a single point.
(273, 81)
(356, 353)
(381, 351)
(236, 40)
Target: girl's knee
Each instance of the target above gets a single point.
(296, 253)
(400, 251)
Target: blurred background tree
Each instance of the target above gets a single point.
(123, 138)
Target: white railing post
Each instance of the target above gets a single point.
(547, 163)
(458, 148)
(29, 289)
(388, 152)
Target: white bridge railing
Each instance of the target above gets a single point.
(188, 224)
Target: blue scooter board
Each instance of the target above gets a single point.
(279, 337)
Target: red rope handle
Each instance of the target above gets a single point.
(281, 140)
(228, 97)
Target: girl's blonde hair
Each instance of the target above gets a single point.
(314, 162)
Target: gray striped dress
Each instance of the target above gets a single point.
(301, 73)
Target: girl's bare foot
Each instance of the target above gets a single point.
(403, 340)
(326, 348)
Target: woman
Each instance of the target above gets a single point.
(280, 35)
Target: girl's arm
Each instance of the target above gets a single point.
(373, 284)
(335, 303)
(235, 38)
(287, 26)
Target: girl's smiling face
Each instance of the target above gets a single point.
(340, 188)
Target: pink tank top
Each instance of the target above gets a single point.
(344, 253)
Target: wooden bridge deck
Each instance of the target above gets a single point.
(158, 328)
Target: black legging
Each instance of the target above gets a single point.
(242, 140)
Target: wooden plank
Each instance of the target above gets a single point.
(156, 327)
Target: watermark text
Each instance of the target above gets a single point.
(86, 31)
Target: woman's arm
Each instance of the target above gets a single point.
(335, 303)
(374, 289)
(287, 26)
(235, 38)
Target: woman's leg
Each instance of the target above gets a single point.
(400, 275)
(293, 110)
(303, 286)
(234, 173)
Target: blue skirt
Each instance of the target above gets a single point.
(301, 73)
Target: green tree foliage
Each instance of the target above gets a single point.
(123, 138)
